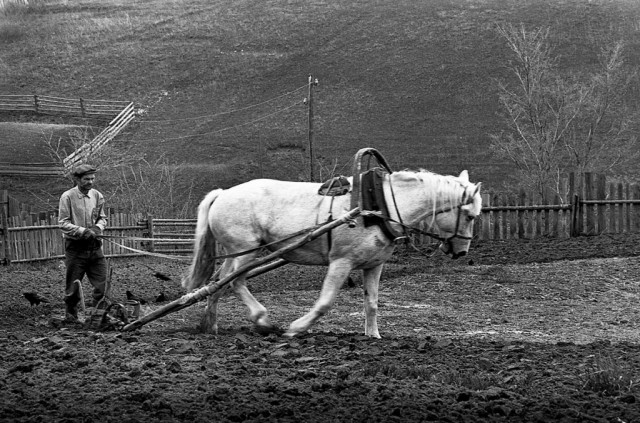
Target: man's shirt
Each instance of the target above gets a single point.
(78, 212)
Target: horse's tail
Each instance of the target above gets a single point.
(204, 250)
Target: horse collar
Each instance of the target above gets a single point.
(373, 199)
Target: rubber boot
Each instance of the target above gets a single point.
(71, 305)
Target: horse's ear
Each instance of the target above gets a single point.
(478, 186)
(464, 176)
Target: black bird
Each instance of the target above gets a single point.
(162, 276)
(161, 298)
(131, 296)
(350, 282)
(34, 298)
(157, 274)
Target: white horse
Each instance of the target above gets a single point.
(267, 212)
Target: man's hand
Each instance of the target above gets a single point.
(88, 234)
(96, 230)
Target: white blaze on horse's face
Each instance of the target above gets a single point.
(456, 224)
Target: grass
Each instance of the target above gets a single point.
(415, 80)
(608, 376)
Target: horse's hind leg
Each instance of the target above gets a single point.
(336, 276)
(257, 312)
(209, 320)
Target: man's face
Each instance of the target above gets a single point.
(85, 182)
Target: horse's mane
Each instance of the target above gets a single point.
(447, 188)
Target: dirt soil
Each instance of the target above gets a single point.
(524, 331)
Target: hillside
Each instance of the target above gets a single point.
(414, 79)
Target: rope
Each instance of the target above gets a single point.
(148, 253)
(109, 238)
(137, 238)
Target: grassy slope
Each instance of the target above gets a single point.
(413, 79)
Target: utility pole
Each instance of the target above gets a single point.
(312, 83)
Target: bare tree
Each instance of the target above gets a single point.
(130, 182)
(603, 138)
(153, 188)
(557, 123)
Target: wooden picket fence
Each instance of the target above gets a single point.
(596, 206)
(45, 104)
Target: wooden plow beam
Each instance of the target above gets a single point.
(253, 269)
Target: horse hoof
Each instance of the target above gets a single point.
(207, 329)
(289, 334)
(267, 329)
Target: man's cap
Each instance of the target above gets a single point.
(82, 170)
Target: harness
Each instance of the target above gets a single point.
(368, 194)
(376, 212)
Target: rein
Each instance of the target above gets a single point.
(183, 258)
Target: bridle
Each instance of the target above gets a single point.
(456, 234)
(465, 200)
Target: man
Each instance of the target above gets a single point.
(82, 218)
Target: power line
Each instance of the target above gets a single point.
(227, 128)
(227, 112)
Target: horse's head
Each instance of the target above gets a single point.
(456, 214)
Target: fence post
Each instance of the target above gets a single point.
(601, 194)
(635, 189)
(82, 108)
(35, 104)
(486, 217)
(4, 225)
(576, 217)
(150, 230)
(522, 201)
(589, 193)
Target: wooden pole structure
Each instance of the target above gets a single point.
(151, 247)
(199, 294)
(4, 224)
(312, 83)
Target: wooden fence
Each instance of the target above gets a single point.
(598, 207)
(123, 118)
(6, 3)
(45, 104)
(31, 169)
(42, 239)
(123, 111)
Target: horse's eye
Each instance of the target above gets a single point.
(470, 218)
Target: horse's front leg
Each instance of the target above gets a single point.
(371, 281)
(336, 276)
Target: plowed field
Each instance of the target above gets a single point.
(522, 331)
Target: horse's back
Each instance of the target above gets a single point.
(269, 195)
(267, 209)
